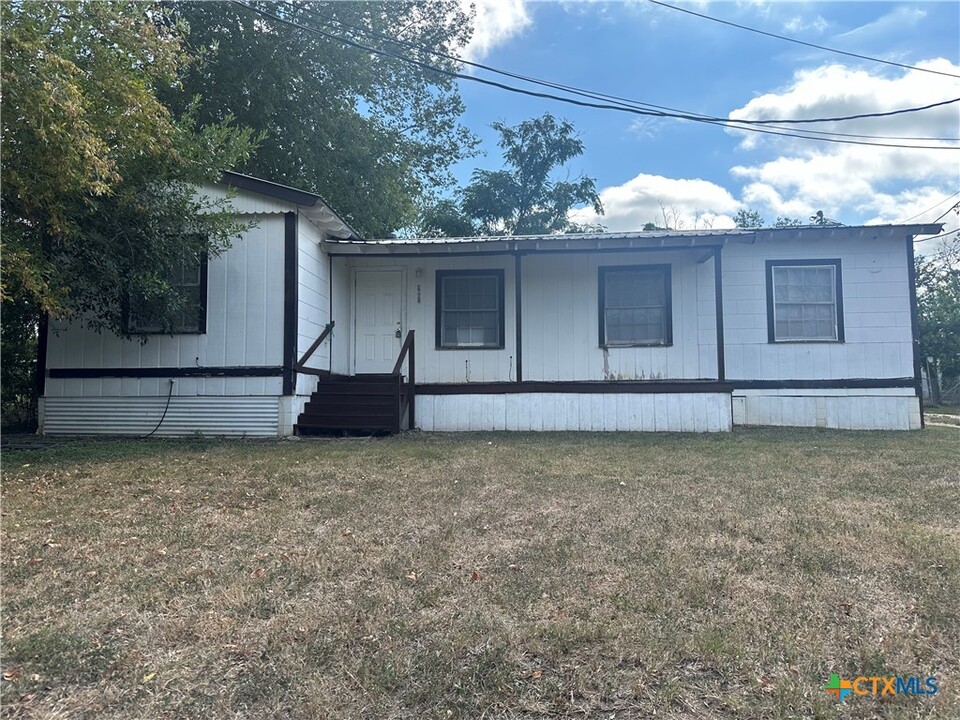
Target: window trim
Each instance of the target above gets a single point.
(838, 295)
(202, 325)
(438, 309)
(666, 271)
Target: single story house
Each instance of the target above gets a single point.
(304, 327)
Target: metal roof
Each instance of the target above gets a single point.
(613, 240)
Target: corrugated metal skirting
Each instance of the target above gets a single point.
(230, 415)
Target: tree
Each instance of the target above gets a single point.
(98, 179)
(526, 198)
(374, 135)
(938, 301)
(785, 222)
(747, 219)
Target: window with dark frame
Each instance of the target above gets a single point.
(470, 313)
(635, 306)
(189, 280)
(804, 301)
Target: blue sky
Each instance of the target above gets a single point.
(703, 174)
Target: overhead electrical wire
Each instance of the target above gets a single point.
(636, 103)
(580, 103)
(801, 42)
(934, 207)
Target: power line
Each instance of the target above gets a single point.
(572, 101)
(801, 42)
(950, 210)
(934, 207)
(636, 103)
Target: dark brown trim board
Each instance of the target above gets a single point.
(915, 326)
(666, 273)
(204, 275)
(438, 306)
(270, 189)
(290, 263)
(838, 278)
(834, 384)
(165, 372)
(582, 387)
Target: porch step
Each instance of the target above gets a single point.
(357, 403)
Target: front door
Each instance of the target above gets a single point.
(378, 330)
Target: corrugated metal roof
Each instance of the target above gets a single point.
(613, 240)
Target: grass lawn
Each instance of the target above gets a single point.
(482, 575)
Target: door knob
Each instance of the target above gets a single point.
(398, 333)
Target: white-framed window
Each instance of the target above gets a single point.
(804, 301)
(635, 305)
(189, 281)
(470, 311)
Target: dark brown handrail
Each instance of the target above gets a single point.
(299, 365)
(407, 351)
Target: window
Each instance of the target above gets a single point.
(635, 306)
(804, 301)
(469, 309)
(190, 282)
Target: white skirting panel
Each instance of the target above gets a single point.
(251, 416)
(880, 409)
(684, 412)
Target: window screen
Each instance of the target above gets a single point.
(635, 306)
(805, 301)
(470, 309)
(187, 281)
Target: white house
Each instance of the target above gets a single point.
(305, 327)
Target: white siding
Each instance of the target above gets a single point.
(876, 304)
(893, 409)
(313, 298)
(244, 328)
(186, 415)
(679, 412)
(433, 366)
(561, 318)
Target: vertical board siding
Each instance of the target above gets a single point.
(876, 312)
(313, 301)
(433, 366)
(560, 335)
(244, 327)
(678, 412)
(895, 409)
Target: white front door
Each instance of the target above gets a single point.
(378, 313)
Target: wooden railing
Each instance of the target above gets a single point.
(299, 366)
(408, 399)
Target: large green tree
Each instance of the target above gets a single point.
(372, 134)
(526, 197)
(938, 299)
(98, 178)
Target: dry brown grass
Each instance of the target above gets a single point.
(430, 576)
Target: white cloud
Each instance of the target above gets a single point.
(798, 24)
(892, 24)
(688, 204)
(852, 180)
(495, 22)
